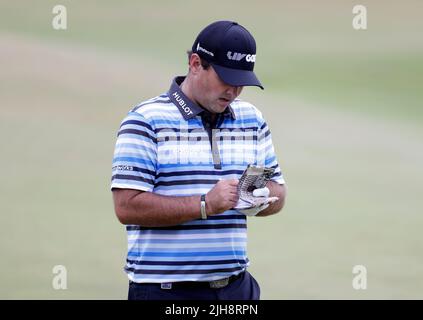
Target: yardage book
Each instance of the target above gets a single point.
(254, 177)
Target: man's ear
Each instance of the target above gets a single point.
(195, 63)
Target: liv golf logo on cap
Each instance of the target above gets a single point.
(239, 56)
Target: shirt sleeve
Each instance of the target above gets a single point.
(135, 156)
(266, 152)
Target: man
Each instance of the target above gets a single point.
(176, 166)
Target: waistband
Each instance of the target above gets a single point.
(215, 284)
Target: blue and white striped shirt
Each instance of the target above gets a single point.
(163, 147)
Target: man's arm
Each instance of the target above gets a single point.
(276, 190)
(153, 210)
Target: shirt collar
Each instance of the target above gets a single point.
(187, 107)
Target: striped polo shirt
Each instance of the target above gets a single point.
(167, 146)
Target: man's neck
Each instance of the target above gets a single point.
(186, 88)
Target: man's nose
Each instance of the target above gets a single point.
(234, 91)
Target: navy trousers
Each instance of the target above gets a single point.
(243, 288)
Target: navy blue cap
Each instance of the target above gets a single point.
(231, 50)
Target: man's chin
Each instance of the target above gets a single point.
(221, 106)
(219, 109)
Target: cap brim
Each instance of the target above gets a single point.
(236, 77)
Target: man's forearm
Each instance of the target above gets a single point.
(276, 190)
(152, 210)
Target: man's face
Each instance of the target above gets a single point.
(212, 93)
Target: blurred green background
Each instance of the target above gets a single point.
(344, 107)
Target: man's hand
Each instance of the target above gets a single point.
(263, 193)
(253, 211)
(223, 196)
